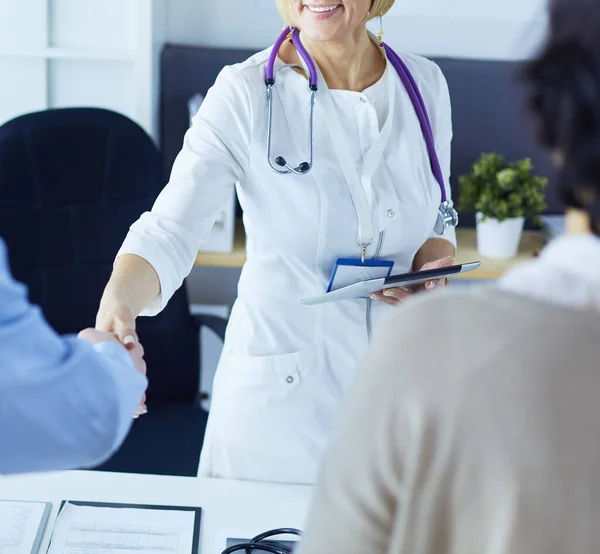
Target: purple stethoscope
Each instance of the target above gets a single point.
(447, 215)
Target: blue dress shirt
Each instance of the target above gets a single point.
(63, 403)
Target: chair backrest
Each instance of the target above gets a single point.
(72, 181)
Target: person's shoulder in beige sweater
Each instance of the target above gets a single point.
(473, 426)
(449, 440)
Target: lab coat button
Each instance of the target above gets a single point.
(363, 100)
(290, 379)
(391, 214)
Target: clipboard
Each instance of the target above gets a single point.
(197, 511)
(365, 288)
(42, 527)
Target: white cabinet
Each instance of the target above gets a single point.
(93, 53)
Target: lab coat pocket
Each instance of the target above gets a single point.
(265, 376)
(262, 405)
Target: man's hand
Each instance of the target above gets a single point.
(135, 351)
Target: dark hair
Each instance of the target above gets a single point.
(563, 83)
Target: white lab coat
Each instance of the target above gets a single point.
(285, 366)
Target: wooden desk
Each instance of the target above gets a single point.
(531, 243)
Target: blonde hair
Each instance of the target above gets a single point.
(378, 8)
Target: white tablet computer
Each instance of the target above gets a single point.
(365, 288)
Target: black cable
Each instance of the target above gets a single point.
(258, 544)
(276, 533)
(250, 547)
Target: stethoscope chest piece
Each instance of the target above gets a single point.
(447, 217)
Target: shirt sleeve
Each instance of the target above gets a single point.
(443, 133)
(62, 405)
(214, 157)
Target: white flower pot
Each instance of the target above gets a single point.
(499, 240)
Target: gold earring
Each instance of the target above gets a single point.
(381, 32)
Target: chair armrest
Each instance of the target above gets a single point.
(217, 324)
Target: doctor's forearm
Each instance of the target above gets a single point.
(433, 249)
(135, 282)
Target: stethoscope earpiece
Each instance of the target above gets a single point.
(303, 168)
(282, 167)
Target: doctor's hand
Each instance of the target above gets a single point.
(114, 316)
(396, 296)
(136, 353)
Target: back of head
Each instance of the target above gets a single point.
(564, 96)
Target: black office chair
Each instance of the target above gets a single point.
(71, 183)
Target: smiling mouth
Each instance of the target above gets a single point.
(322, 9)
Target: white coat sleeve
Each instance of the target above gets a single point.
(442, 129)
(214, 157)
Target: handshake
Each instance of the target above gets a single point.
(133, 348)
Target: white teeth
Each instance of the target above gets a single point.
(322, 9)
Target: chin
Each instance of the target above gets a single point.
(322, 36)
(322, 32)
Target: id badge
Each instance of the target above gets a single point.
(348, 271)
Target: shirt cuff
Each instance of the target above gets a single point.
(168, 247)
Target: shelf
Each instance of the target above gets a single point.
(531, 244)
(68, 54)
(234, 259)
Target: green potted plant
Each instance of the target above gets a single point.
(503, 195)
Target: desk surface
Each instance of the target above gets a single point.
(531, 243)
(230, 509)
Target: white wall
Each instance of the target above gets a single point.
(65, 53)
(488, 29)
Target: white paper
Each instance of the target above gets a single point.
(20, 524)
(91, 530)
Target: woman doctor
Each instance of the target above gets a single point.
(286, 366)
